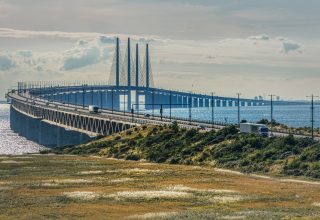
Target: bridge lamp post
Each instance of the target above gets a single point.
(212, 109)
(92, 95)
(190, 106)
(161, 111)
(153, 104)
(312, 114)
(124, 102)
(100, 99)
(271, 113)
(76, 98)
(68, 95)
(238, 95)
(83, 97)
(112, 100)
(170, 103)
(132, 113)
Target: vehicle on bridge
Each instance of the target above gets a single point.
(93, 109)
(252, 128)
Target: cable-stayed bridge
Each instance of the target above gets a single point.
(39, 107)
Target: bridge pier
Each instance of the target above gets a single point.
(207, 101)
(195, 103)
(218, 102)
(224, 103)
(201, 102)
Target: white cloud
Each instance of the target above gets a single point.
(6, 62)
(80, 57)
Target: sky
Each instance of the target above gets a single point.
(250, 46)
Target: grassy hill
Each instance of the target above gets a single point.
(226, 148)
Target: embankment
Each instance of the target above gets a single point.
(226, 148)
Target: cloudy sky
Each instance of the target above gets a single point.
(249, 46)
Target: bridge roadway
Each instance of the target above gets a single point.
(127, 120)
(106, 115)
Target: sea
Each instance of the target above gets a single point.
(10, 142)
(295, 116)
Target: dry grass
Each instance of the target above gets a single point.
(69, 187)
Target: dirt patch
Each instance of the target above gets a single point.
(82, 195)
(153, 215)
(226, 199)
(13, 162)
(91, 172)
(121, 180)
(149, 194)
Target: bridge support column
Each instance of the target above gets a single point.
(201, 102)
(185, 101)
(206, 102)
(218, 102)
(195, 102)
(224, 103)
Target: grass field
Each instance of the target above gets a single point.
(73, 187)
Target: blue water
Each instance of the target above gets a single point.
(10, 142)
(294, 116)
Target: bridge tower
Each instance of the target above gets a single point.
(147, 67)
(129, 76)
(137, 76)
(117, 63)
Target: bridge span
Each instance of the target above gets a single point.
(55, 113)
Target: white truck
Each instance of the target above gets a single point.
(93, 109)
(260, 129)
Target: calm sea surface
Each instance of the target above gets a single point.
(296, 116)
(11, 143)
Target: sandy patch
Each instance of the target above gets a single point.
(148, 194)
(91, 172)
(138, 170)
(226, 199)
(1, 158)
(121, 180)
(182, 188)
(153, 215)
(233, 217)
(62, 181)
(82, 195)
(13, 162)
(22, 157)
(299, 181)
(49, 184)
(317, 204)
(260, 176)
(96, 157)
(5, 182)
(227, 171)
(5, 188)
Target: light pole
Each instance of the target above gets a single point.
(112, 100)
(312, 114)
(212, 110)
(271, 112)
(170, 104)
(238, 94)
(190, 106)
(153, 104)
(101, 99)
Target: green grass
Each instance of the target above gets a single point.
(226, 148)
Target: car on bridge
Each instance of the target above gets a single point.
(93, 109)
